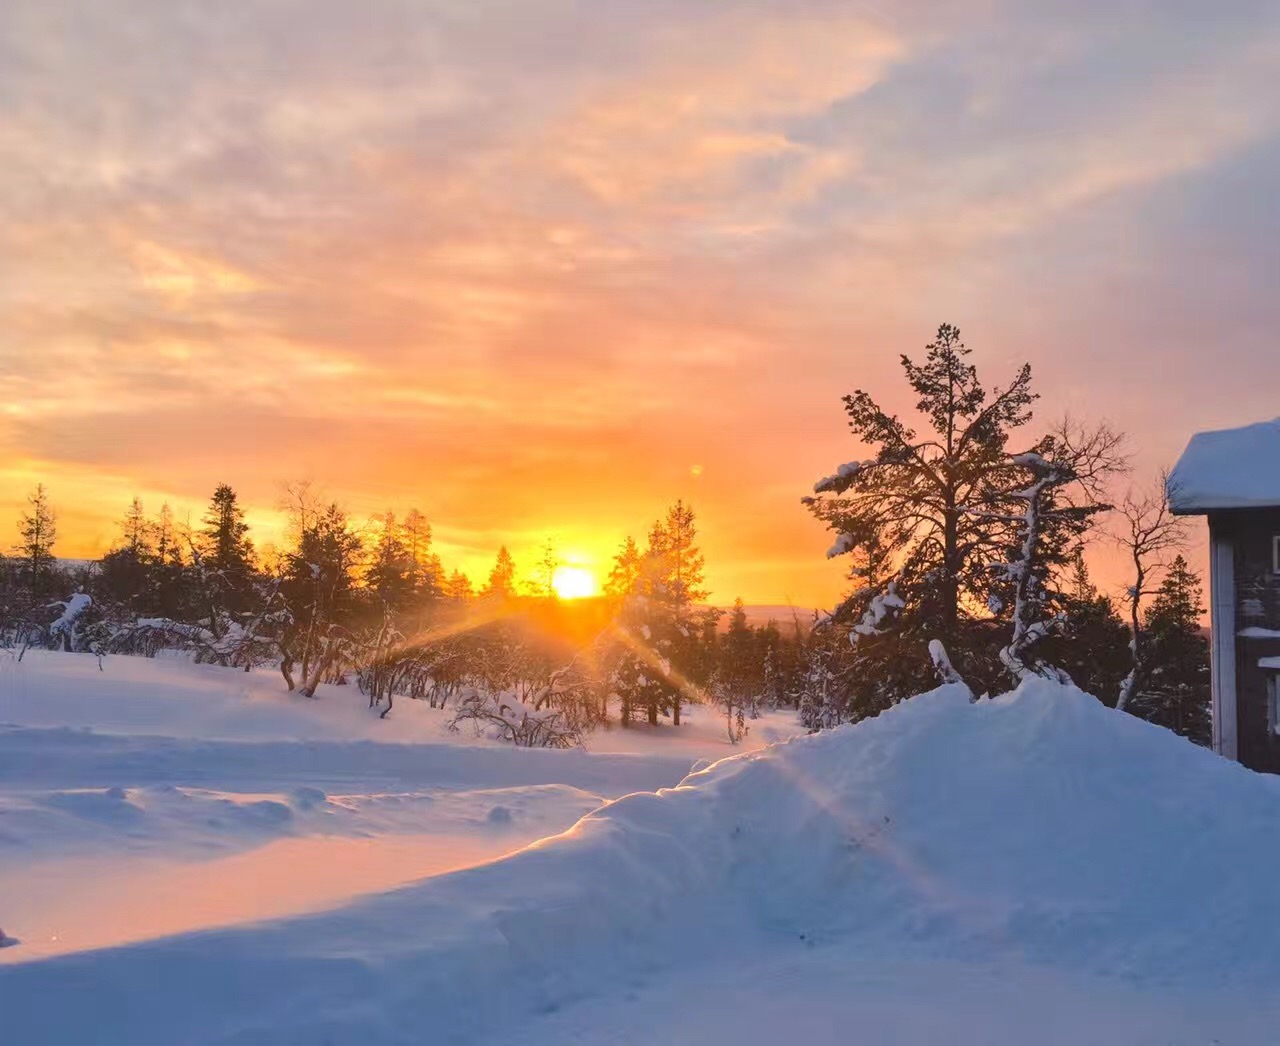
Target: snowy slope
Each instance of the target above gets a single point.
(156, 797)
(1036, 854)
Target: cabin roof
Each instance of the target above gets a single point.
(1230, 468)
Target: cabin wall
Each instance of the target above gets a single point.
(1257, 612)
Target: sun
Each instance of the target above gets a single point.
(573, 583)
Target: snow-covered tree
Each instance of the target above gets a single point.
(1066, 474)
(318, 589)
(915, 515)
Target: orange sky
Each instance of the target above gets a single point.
(538, 269)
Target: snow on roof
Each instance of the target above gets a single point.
(1230, 468)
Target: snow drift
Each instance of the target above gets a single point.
(1039, 826)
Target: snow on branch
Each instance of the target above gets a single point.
(841, 479)
(880, 608)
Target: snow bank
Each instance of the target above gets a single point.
(1039, 826)
(1230, 468)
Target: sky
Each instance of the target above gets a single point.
(538, 268)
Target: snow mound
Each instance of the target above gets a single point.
(1039, 826)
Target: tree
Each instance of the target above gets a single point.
(226, 550)
(37, 530)
(1149, 531)
(458, 587)
(390, 572)
(737, 682)
(318, 590)
(925, 514)
(136, 529)
(1048, 525)
(664, 659)
(502, 578)
(542, 585)
(425, 571)
(125, 573)
(1175, 693)
(626, 572)
(679, 577)
(1093, 645)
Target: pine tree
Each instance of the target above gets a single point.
(1176, 692)
(426, 572)
(38, 530)
(916, 514)
(738, 674)
(458, 587)
(502, 578)
(226, 550)
(674, 655)
(125, 574)
(136, 529)
(677, 576)
(1092, 647)
(626, 572)
(318, 589)
(390, 572)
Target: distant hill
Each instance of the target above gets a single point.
(781, 614)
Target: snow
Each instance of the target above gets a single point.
(1269, 662)
(878, 609)
(842, 479)
(1230, 468)
(1258, 632)
(1032, 868)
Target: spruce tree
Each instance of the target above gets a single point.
(125, 574)
(390, 572)
(502, 577)
(38, 530)
(227, 552)
(1176, 692)
(626, 571)
(458, 587)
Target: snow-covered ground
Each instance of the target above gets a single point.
(1032, 869)
(149, 798)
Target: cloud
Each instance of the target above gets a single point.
(521, 264)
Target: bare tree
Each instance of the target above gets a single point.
(1070, 469)
(1148, 532)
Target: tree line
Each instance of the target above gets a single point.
(376, 607)
(965, 530)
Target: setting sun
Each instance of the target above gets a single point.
(573, 583)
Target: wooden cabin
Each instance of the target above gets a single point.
(1233, 478)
